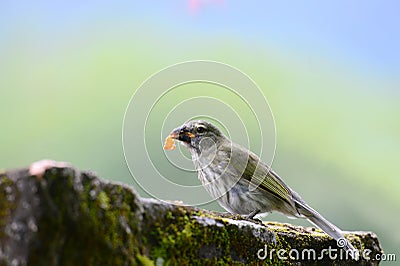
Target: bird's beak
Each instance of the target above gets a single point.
(182, 134)
(175, 133)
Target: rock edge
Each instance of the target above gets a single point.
(69, 217)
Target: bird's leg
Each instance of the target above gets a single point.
(225, 214)
(252, 214)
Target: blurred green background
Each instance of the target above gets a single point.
(330, 72)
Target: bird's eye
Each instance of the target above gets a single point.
(200, 129)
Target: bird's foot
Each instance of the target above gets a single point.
(251, 215)
(225, 214)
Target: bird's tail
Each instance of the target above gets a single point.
(314, 217)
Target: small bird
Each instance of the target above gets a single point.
(241, 182)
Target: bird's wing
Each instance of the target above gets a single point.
(258, 174)
(274, 184)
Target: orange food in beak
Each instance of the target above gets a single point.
(170, 143)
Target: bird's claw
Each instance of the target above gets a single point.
(251, 215)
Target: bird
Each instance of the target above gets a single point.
(241, 182)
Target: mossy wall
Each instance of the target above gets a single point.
(69, 217)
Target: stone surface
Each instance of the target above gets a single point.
(63, 216)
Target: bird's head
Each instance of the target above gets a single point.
(197, 133)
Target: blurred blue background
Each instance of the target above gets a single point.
(329, 69)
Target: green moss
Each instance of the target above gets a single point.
(181, 239)
(8, 193)
(104, 201)
(145, 261)
(357, 242)
(98, 219)
(97, 223)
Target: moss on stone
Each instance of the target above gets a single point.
(8, 199)
(83, 220)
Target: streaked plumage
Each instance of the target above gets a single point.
(240, 181)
